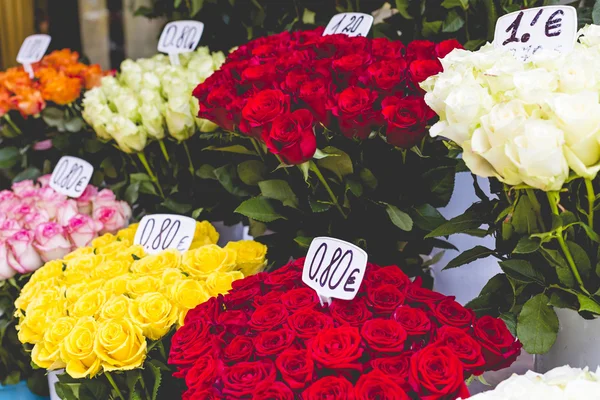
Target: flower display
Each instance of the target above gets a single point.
(269, 337)
(562, 383)
(150, 99)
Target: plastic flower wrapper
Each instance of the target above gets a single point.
(105, 312)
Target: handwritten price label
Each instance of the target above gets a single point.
(71, 176)
(180, 37)
(528, 31)
(32, 50)
(158, 232)
(351, 24)
(334, 268)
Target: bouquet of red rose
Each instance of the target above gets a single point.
(270, 338)
(349, 112)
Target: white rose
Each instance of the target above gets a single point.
(534, 85)
(131, 74)
(151, 81)
(180, 120)
(127, 105)
(590, 35)
(129, 136)
(152, 120)
(98, 115)
(582, 389)
(110, 86)
(577, 73)
(202, 65)
(561, 375)
(500, 76)
(174, 85)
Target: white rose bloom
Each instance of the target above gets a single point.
(152, 120)
(131, 74)
(110, 86)
(150, 81)
(180, 121)
(127, 105)
(590, 35)
(129, 136)
(534, 85)
(577, 73)
(151, 96)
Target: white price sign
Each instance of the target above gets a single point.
(32, 50)
(351, 24)
(543, 28)
(180, 37)
(334, 268)
(158, 232)
(71, 176)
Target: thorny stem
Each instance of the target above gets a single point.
(317, 172)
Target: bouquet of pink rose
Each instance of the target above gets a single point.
(38, 224)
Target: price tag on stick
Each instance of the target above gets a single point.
(180, 37)
(32, 50)
(71, 176)
(351, 24)
(543, 28)
(334, 268)
(158, 232)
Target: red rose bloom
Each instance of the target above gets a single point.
(449, 312)
(207, 311)
(353, 313)
(436, 374)
(385, 48)
(419, 296)
(306, 322)
(190, 342)
(354, 107)
(315, 94)
(284, 278)
(442, 49)
(297, 299)
(395, 367)
(385, 299)
(273, 391)
(203, 373)
(239, 298)
(406, 120)
(500, 349)
(234, 322)
(377, 386)
(273, 342)
(269, 298)
(243, 378)
(338, 348)
(387, 74)
(462, 345)
(201, 394)
(330, 387)
(420, 50)
(268, 317)
(423, 69)
(390, 275)
(296, 367)
(384, 335)
(250, 282)
(240, 348)
(264, 107)
(292, 137)
(414, 321)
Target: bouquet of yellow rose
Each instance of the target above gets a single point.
(108, 311)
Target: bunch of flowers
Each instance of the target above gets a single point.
(104, 308)
(562, 383)
(269, 337)
(534, 127)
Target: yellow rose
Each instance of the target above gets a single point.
(31, 329)
(128, 234)
(50, 300)
(86, 264)
(77, 349)
(171, 275)
(116, 307)
(109, 269)
(205, 234)
(131, 253)
(250, 255)
(52, 269)
(142, 285)
(89, 304)
(74, 292)
(82, 251)
(188, 293)
(74, 276)
(117, 285)
(201, 262)
(120, 345)
(32, 289)
(154, 313)
(103, 240)
(220, 282)
(111, 248)
(46, 354)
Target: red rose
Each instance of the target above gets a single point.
(387, 74)
(297, 299)
(273, 342)
(420, 50)
(377, 386)
(500, 349)
(338, 348)
(285, 278)
(384, 299)
(464, 346)
(292, 137)
(190, 342)
(390, 275)
(207, 311)
(240, 348)
(353, 313)
(243, 378)
(268, 317)
(262, 108)
(418, 296)
(423, 69)
(249, 282)
(414, 321)
(203, 373)
(449, 312)
(259, 75)
(330, 387)
(384, 335)
(307, 322)
(201, 394)
(352, 62)
(233, 322)
(355, 109)
(239, 299)
(443, 48)
(271, 297)
(395, 367)
(273, 391)
(315, 94)
(296, 367)
(295, 79)
(385, 48)
(406, 120)
(436, 374)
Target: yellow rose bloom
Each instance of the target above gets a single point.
(117, 285)
(142, 284)
(46, 354)
(116, 307)
(77, 349)
(220, 282)
(82, 251)
(188, 293)
(111, 248)
(52, 269)
(203, 261)
(154, 313)
(128, 234)
(251, 255)
(109, 269)
(103, 240)
(32, 290)
(120, 344)
(155, 264)
(205, 234)
(33, 326)
(172, 275)
(74, 292)
(86, 264)
(89, 304)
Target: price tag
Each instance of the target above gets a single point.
(528, 31)
(32, 50)
(71, 176)
(158, 232)
(180, 37)
(351, 24)
(334, 268)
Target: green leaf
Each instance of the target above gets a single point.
(523, 219)
(582, 261)
(464, 4)
(467, 221)
(340, 165)
(399, 218)
(537, 325)
(236, 148)
(132, 193)
(9, 156)
(206, 172)
(596, 13)
(74, 124)
(29, 173)
(279, 190)
(303, 241)
(557, 261)
(308, 17)
(227, 175)
(588, 304)
(320, 154)
(561, 299)
(354, 187)
(54, 117)
(305, 167)
(157, 379)
(522, 271)
(426, 217)
(510, 319)
(196, 213)
(256, 228)
(431, 28)
(474, 44)
(453, 22)
(435, 259)
(527, 245)
(140, 177)
(260, 209)
(402, 7)
(179, 208)
(251, 172)
(492, 16)
(318, 206)
(368, 179)
(196, 7)
(469, 256)
(440, 182)
(492, 297)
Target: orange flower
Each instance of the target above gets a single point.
(29, 101)
(60, 58)
(62, 90)
(5, 104)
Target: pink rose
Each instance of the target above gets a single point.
(9, 227)
(35, 218)
(82, 229)
(50, 200)
(66, 210)
(113, 216)
(44, 180)
(20, 211)
(103, 198)
(51, 242)
(7, 200)
(6, 271)
(24, 188)
(84, 202)
(22, 256)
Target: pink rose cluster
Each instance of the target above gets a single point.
(38, 224)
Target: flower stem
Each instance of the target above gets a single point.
(317, 172)
(553, 199)
(537, 208)
(257, 148)
(189, 157)
(591, 199)
(163, 148)
(153, 177)
(113, 384)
